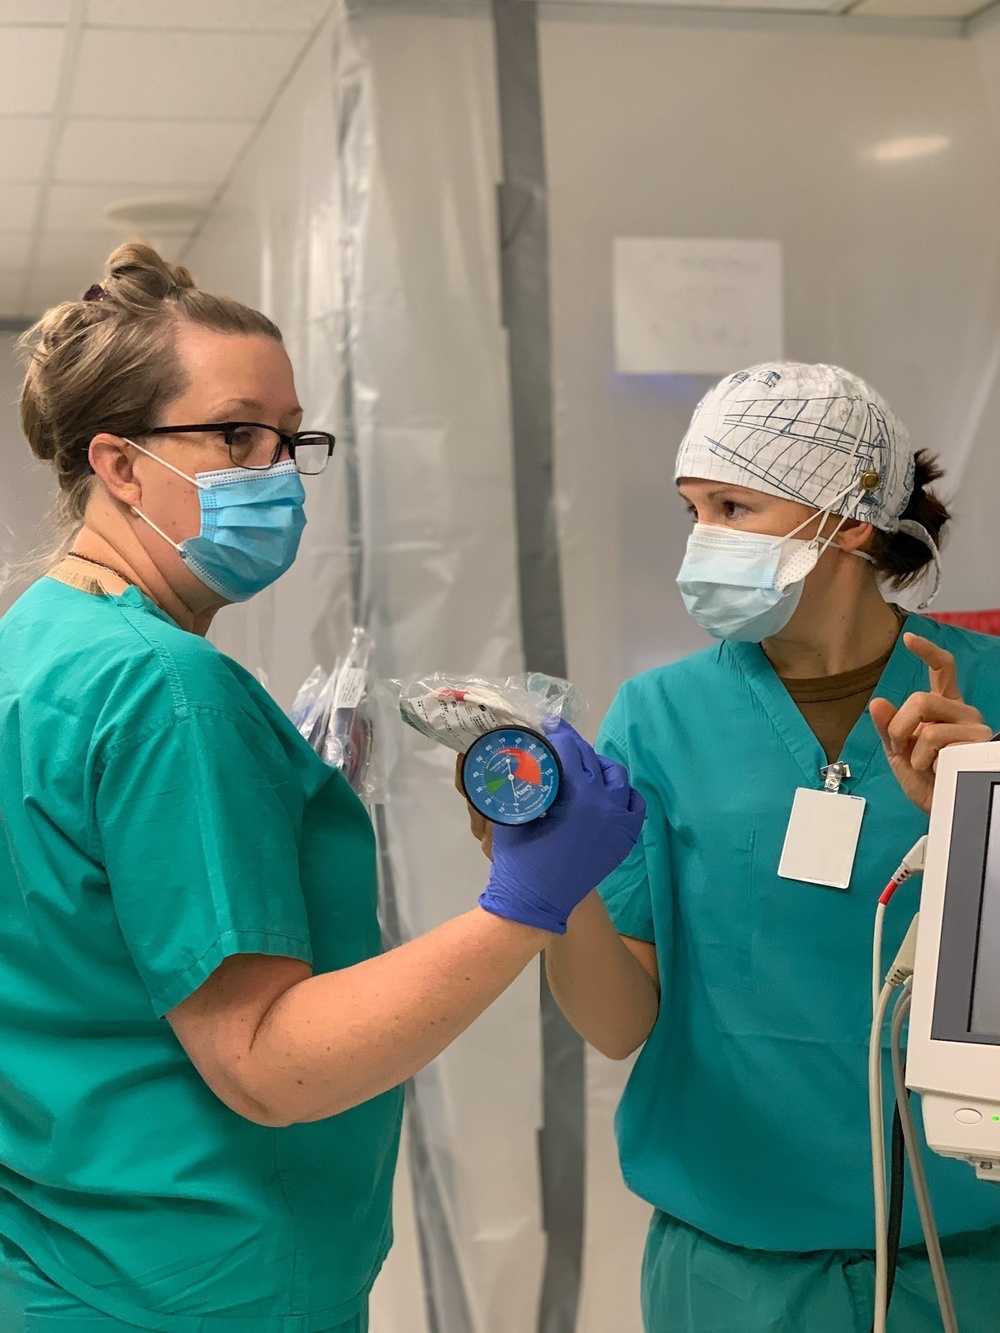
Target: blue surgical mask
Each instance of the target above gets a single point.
(251, 525)
(731, 584)
(745, 585)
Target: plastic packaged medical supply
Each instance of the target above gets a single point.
(456, 710)
(336, 715)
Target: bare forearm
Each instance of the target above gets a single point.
(337, 1039)
(603, 990)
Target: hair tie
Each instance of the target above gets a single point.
(95, 293)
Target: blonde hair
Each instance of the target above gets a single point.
(109, 363)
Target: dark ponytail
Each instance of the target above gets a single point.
(898, 557)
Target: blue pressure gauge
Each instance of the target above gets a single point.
(511, 775)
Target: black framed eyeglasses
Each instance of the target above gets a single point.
(257, 447)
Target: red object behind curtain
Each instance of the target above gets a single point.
(986, 622)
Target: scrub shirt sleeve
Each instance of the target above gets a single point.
(625, 893)
(199, 818)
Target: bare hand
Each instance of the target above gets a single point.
(915, 734)
(482, 829)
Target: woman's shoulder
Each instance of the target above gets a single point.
(967, 645)
(117, 664)
(671, 690)
(694, 671)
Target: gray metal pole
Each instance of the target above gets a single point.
(524, 258)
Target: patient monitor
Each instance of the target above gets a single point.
(953, 1056)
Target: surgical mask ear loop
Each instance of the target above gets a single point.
(156, 459)
(163, 463)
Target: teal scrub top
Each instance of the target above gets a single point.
(158, 814)
(746, 1114)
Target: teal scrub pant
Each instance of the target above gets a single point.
(692, 1283)
(30, 1303)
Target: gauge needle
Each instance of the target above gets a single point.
(510, 775)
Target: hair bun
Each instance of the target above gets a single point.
(136, 277)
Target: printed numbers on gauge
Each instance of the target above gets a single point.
(511, 775)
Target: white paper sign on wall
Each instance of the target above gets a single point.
(689, 307)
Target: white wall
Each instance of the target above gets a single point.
(26, 486)
(756, 130)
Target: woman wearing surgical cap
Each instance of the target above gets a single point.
(734, 945)
(201, 1038)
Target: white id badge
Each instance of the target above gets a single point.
(822, 838)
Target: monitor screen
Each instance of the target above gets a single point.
(985, 1020)
(967, 996)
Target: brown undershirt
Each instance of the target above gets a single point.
(833, 704)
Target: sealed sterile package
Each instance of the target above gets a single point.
(336, 715)
(456, 710)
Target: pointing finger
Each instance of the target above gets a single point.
(940, 664)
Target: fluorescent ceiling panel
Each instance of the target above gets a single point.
(81, 207)
(23, 140)
(17, 206)
(181, 75)
(233, 15)
(150, 152)
(34, 11)
(29, 70)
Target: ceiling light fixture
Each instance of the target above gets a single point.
(909, 147)
(164, 221)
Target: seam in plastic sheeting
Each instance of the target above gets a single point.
(524, 260)
(445, 1299)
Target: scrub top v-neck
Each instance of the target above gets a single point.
(746, 1113)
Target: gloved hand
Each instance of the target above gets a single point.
(541, 871)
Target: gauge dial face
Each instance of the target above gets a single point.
(511, 775)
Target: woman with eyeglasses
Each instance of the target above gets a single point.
(171, 849)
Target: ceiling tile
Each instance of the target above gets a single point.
(73, 208)
(69, 263)
(17, 206)
(79, 251)
(34, 11)
(23, 140)
(234, 15)
(50, 286)
(10, 294)
(152, 152)
(918, 9)
(14, 249)
(812, 6)
(29, 70)
(182, 75)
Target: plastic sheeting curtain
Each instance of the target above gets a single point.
(376, 252)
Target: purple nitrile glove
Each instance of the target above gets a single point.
(541, 871)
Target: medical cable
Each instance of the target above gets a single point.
(901, 970)
(917, 1171)
(911, 864)
(878, 1156)
(897, 1180)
